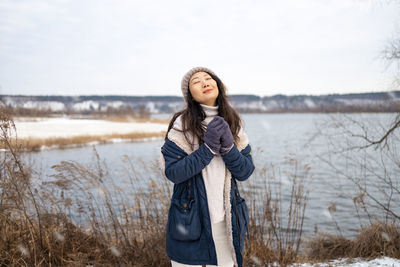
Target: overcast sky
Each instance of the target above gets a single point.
(134, 47)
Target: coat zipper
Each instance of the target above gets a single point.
(237, 217)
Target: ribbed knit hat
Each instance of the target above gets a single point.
(186, 78)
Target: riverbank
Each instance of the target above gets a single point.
(53, 133)
(85, 214)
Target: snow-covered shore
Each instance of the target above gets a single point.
(66, 127)
(378, 262)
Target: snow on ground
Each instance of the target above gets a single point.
(379, 262)
(65, 127)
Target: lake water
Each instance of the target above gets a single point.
(274, 139)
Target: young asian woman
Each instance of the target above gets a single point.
(205, 152)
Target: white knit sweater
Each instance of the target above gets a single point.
(213, 173)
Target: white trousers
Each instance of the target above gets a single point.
(224, 256)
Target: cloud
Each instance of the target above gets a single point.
(141, 47)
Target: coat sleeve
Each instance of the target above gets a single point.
(240, 164)
(180, 167)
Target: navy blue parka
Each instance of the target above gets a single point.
(188, 232)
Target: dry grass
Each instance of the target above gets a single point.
(378, 239)
(327, 246)
(35, 144)
(276, 224)
(154, 120)
(258, 252)
(80, 217)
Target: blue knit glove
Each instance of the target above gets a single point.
(213, 134)
(226, 139)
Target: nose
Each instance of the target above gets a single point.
(205, 83)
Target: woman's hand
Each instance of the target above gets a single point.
(226, 139)
(213, 134)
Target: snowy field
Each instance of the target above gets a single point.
(65, 127)
(384, 261)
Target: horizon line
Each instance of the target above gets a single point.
(354, 93)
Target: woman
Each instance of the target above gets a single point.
(205, 147)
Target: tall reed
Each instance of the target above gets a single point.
(278, 203)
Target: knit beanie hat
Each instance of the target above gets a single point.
(186, 78)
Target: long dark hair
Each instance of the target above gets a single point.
(193, 115)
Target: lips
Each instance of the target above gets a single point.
(207, 91)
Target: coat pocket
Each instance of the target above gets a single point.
(185, 220)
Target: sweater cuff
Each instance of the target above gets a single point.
(210, 149)
(225, 150)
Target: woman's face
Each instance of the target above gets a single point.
(203, 88)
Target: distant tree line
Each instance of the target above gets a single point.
(143, 106)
